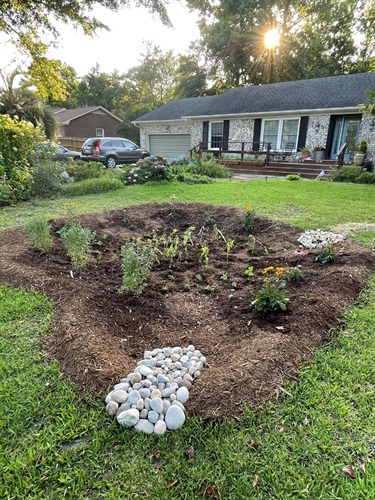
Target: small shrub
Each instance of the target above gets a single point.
(248, 219)
(352, 174)
(207, 165)
(152, 168)
(82, 170)
(46, 177)
(137, 260)
(6, 195)
(91, 186)
(189, 178)
(77, 241)
(293, 177)
(366, 178)
(249, 271)
(38, 231)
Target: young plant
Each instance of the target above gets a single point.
(326, 255)
(295, 274)
(248, 219)
(209, 289)
(187, 287)
(204, 254)
(272, 296)
(224, 277)
(234, 285)
(249, 271)
(77, 241)
(137, 260)
(187, 239)
(38, 230)
(229, 245)
(199, 278)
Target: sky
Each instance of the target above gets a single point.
(118, 49)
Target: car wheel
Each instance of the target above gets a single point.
(144, 156)
(111, 162)
(77, 158)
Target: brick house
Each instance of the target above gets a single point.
(90, 121)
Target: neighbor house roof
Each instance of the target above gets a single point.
(319, 94)
(65, 116)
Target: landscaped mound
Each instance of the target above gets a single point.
(204, 298)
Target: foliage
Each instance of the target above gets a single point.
(248, 219)
(326, 254)
(352, 174)
(16, 138)
(152, 168)
(6, 195)
(46, 177)
(22, 103)
(38, 230)
(81, 170)
(137, 261)
(206, 164)
(77, 241)
(272, 296)
(91, 186)
(362, 148)
(189, 178)
(293, 177)
(295, 274)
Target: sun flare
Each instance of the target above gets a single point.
(272, 39)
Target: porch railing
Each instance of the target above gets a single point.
(240, 148)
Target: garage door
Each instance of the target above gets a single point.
(170, 145)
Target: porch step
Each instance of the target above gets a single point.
(306, 169)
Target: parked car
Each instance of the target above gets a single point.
(112, 151)
(56, 151)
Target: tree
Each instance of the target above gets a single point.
(317, 38)
(24, 104)
(191, 77)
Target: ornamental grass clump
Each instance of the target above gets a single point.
(137, 261)
(38, 231)
(272, 296)
(77, 241)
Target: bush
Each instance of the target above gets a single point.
(137, 260)
(352, 174)
(91, 186)
(17, 137)
(38, 230)
(6, 195)
(152, 168)
(193, 178)
(82, 170)
(206, 164)
(46, 177)
(293, 177)
(77, 241)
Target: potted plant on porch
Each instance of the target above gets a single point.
(319, 153)
(305, 151)
(360, 155)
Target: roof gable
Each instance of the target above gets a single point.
(343, 91)
(65, 116)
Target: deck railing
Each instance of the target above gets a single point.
(240, 148)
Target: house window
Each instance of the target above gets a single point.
(280, 132)
(99, 132)
(216, 135)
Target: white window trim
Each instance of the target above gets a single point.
(99, 129)
(279, 132)
(210, 134)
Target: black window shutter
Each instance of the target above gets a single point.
(302, 132)
(225, 134)
(256, 135)
(205, 135)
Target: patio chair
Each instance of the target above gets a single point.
(288, 152)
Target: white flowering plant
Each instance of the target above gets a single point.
(152, 168)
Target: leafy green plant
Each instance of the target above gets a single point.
(186, 287)
(249, 271)
(137, 261)
(187, 239)
(224, 277)
(234, 285)
(272, 296)
(295, 274)
(248, 219)
(326, 255)
(206, 164)
(189, 178)
(38, 230)
(77, 241)
(204, 254)
(165, 288)
(293, 177)
(198, 277)
(46, 177)
(91, 186)
(209, 289)
(82, 170)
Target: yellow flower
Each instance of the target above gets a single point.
(267, 269)
(249, 208)
(279, 270)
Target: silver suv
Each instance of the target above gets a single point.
(112, 151)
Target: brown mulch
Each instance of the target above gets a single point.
(99, 335)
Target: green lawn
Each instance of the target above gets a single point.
(55, 444)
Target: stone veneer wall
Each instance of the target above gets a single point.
(317, 130)
(367, 133)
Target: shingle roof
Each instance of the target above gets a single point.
(343, 91)
(64, 116)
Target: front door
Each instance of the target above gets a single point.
(346, 131)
